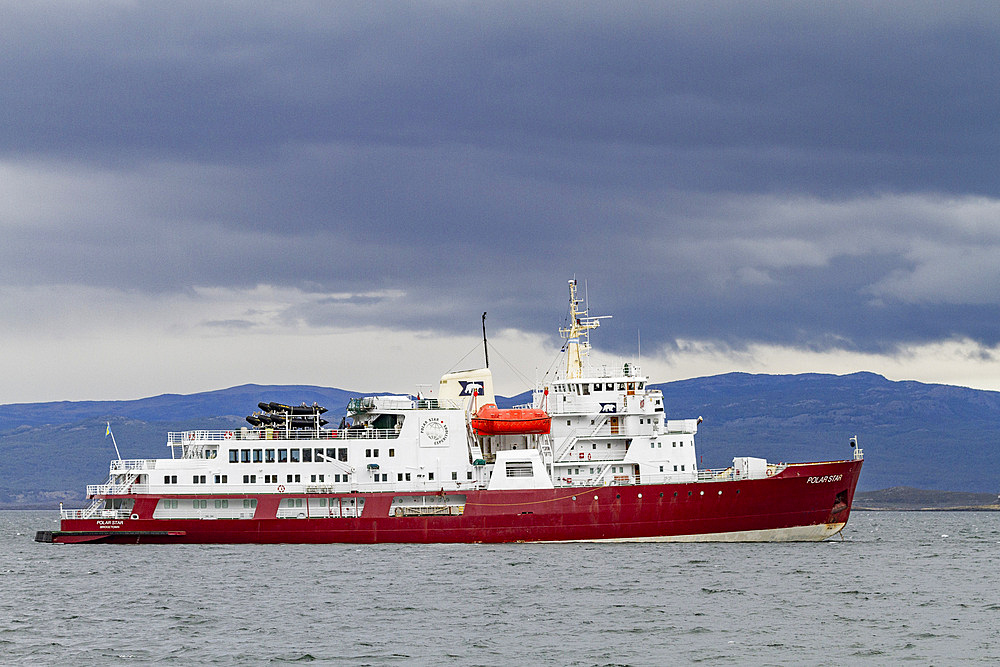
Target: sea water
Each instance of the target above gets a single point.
(922, 587)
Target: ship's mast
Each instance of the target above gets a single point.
(577, 334)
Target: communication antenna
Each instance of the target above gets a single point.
(486, 350)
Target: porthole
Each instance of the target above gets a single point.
(595, 497)
(574, 497)
(640, 495)
(618, 495)
(720, 493)
(701, 493)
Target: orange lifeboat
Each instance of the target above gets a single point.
(491, 420)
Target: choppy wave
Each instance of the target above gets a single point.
(894, 589)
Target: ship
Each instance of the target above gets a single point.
(593, 458)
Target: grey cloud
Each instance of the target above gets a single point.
(813, 175)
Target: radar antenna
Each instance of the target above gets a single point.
(577, 334)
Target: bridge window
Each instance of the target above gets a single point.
(268, 456)
(282, 456)
(258, 455)
(307, 455)
(294, 455)
(234, 455)
(245, 455)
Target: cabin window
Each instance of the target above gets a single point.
(307, 455)
(682, 467)
(675, 468)
(220, 504)
(385, 477)
(430, 476)
(268, 456)
(468, 475)
(341, 454)
(392, 452)
(321, 478)
(245, 455)
(222, 479)
(454, 475)
(375, 452)
(661, 470)
(568, 422)
(640, 385)
(586, 389)
(336, 478)
(407, 477)
(234, 456)
(170, 479)
(294, 455)
(368, 453)
(399, 477)
(594, 446)
(248, 503)
(621, 386)
(198, 479)
(258, 455)
(282, 456)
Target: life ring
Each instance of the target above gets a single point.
(569, 480)
(134, 517)
(588, 456)
(770, 472)
(229, 435)
(281, 488)
(581, 456)
(191, 435)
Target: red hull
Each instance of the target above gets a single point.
(802, 495)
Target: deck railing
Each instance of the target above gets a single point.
(191, 437)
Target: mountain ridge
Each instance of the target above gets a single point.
(930, 436)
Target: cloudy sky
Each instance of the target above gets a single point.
(198, 195)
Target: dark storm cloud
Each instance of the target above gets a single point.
(808, 174)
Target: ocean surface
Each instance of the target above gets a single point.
(921, 587)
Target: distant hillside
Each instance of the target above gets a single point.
(913, 434)
(934, 437)
(908, 498)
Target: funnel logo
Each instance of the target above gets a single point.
(609, 407)
(471, 387)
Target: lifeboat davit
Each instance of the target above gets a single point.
(491, 420)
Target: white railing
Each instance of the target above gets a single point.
(123, 465)
(237, 435)
(95, 512)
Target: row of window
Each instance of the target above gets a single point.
(199, 503)
(659, 445)
(584, 388)
(290, 455)
(273, 479)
